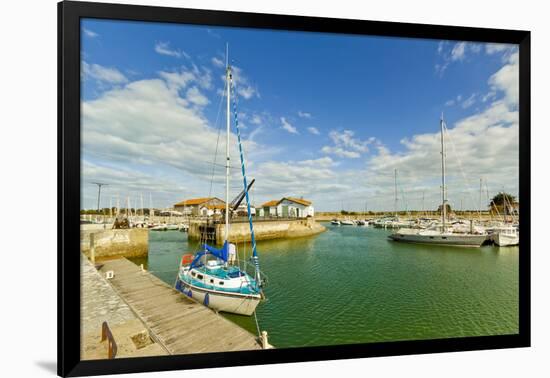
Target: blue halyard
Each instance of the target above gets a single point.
(245, 184)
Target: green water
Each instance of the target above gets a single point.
(352, 285)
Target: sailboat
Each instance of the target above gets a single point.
(212, 275)
(440, 234)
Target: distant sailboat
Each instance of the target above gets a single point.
(211, 275)
(440, 234)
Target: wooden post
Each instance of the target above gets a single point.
(92, 247)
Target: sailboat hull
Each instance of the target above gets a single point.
(435, 238)
(235, 303)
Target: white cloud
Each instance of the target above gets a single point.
(163, 48)
(459, 51)
(218, 62)
(288, 127)
(440, 46)
(90, 33)
(257, 131)
(346, 145)
(177, 80)
(507, 79)
(299, 178)
(156, 127)
(246, 91)
(256, 120)
(304, 114)
(340, 152)
(213, 33)
(180, 79)
(454, 101)
(489, 96)
(469, 101)
(475, 48)
(195, 96)
(313, 130)
(346, 139)
(495, 48)
(102, 74)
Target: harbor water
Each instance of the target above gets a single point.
(351, 284)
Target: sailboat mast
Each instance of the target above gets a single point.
(480, 189)
(395, 191)
(423, 207)
(227, 78)
(443, 188)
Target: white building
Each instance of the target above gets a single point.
(210, 210)
(200, 206)
(269, 209)
(288, 207)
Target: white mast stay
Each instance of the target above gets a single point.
(443, 188)
(227, 77)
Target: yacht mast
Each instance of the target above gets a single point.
(443, 188)
(228, 78)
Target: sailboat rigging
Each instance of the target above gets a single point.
(212, 275)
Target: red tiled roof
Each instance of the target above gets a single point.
(300, 201)
(195, 201)
(271, 203)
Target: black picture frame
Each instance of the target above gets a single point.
(69, 15)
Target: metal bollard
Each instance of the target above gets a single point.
(265, 344)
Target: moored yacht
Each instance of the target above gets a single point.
(436, 236)
(442, 235)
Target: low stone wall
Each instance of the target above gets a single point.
(115, 243)
(265, 230)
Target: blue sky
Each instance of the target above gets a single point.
(325, 116)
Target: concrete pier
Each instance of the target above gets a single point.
(100, 303)
(177, 323)
(264, 229)
(111, 243)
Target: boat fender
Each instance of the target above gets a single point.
(206, 299)
(190, 294)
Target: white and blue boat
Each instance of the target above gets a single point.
(214, 276)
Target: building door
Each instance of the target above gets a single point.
(285, 211)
